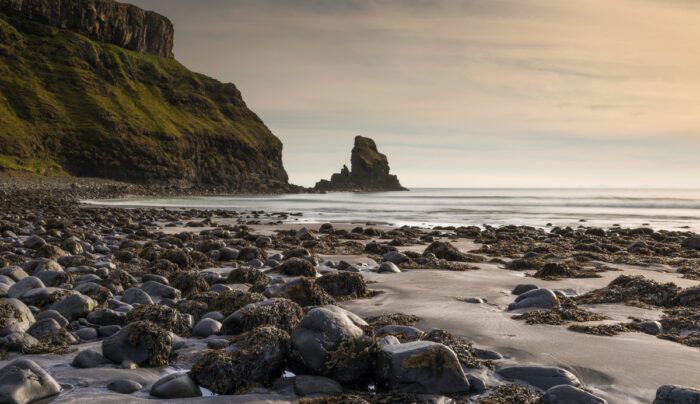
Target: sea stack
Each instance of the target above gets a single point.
(370, 171)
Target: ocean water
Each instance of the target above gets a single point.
(672, 209)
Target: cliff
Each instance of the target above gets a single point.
(70, 105)
(370, 171)
(102, 20)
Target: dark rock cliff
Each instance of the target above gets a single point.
(102, 20)
(70, 105)
(370, 171)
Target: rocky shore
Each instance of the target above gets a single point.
(113, 304)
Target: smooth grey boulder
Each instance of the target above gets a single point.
(89, 359)
(106, 317)
(476, 385)
(177, 385)
(43, 264)
(156, 278)
(18, 342)
(206, 327)
(136, 295)
(388, 340)
(569, 395)
(228, 254)
(34, 242)
(333, 342)
(307, 385)
(542, 377)
(124, 386)
(86, 334)
(24, 381)
(672, 394)
(43, 296)
(395, 257)
(420, 367)
(22, 286)
(388, 267)
(155, 289)
(45, 328)
(523, 287)
(62, 321)
(75, 306)
(108, 330)
(14, 272)
(536, 298)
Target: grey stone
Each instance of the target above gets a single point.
(691, 242)
(306, 385)
(89, 359)
(34, 242)
(476, 385)
(124, 386)
(119, 349)
(542, 377)
(523, 287)
(18, 342)
(420, 367)
(156, 278)
(24, 285)
(487, 354)
(570, 395)
(86, 334)
(536, 298)
(24, 381)
(75, 306)
(177, 385)
(45, 328)
(651, 327)
(408, 332)
(14, 272)
(155, 289)
(228, 254)
(21, 321)
(206, 327)
(136, 295)
(388, 267)
(106, 317)
(388, 340)
(395, 257)
(108, 330)
(672, 394)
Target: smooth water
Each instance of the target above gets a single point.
(672, 209)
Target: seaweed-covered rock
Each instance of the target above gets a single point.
(24, 381)
(344, 285)
(303, 291)
(189, 283)
(333, 342)
(420, 367)
(161, 315)
(255, 357)
(249, 276)
(179, 257)
(231, 301)
(15, 316)
(445, 250)
(296, 267)
(670, 394)
(142, 342)
(626, 288)
(250, 253)
(279, 312)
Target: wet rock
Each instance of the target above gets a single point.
(522, 288)
(249, 276)
(206, 327)
(106, 317)
(24, 285)
(136, 296)
(86, 334)
(231, 301)
(24, 381)
(671, 394)
(75, 306)
(108, 330)
(402, 332)
(161, 315)
(44, 329)
(476, 385)
(296, 267)
(303, 291)
(281, 313)
(333, 342)
(388, 340)
(306, 234)
(255, 357)
(445, 250)
(420, 367)
(34, 242)
(13, 272)
(156, 289)
(651, 327)
(395, 257)
(306, 385)
(247, 254)
(18, 342)
(536, 298)
(388, 267)
(124, 386)
(142, 342)
(344, 285)
(691, 242)
(89, 359)
(177, 385)
(542, 377)
(228, 254)
(570, 395)
(15, 316)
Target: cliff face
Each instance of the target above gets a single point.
(102, 20)
(370, 171)
(73, 106)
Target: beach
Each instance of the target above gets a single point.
(460, 279)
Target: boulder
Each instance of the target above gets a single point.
(395, 257)
(420, 367)
(157, 289)
(296, 267)
(566, 394)
(18, 342)
(281, 313)
(691, 242)
(15, 316)
(176, 385)
(536, 298)
(388, 267)
(34, 242)
(445, 250)
(89, 359)
(542, 377)
(333, 342)
(344, 285)
(522, 288)
(671, 394)
(206, 327)
(23, 285)
(124, 386)
(403, 332)
(136, 296)
(142, 342)
(24, 381)
(62, 321)
(13, 272)
(302, 291)
(74, 307)
(44, 297)
(106, 317)
(306, 385)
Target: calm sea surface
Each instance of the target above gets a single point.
(659, 208)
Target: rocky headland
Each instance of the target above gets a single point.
(74, 104)
(369, 171)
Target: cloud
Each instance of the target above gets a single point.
(462, 92)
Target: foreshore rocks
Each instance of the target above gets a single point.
(23, 381)
(369, 171)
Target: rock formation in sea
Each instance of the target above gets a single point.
(73, 103)
(370, 171)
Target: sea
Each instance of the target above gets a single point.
(669, 209)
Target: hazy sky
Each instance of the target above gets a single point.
(464, 93)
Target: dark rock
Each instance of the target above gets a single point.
(303, 291)
(89, 359)
(420, 367)
(388, 267)
(206, 327)
(333, 342)
(106, 317)
(24, 381)
(445, 250)
(344, 285)
(670, 394)
(124, 386)
(155, 289)
(163, 316)
(177, 385)
(305, 385)
(566, 394)
(281, 313)
(522, 288)
(691, 242)
(370, 171)
(142, 342)
(536, 298)
(23, 285)
(296, 267)
(74, 307)
(136, 295)
(542, 377)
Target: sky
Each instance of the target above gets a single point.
(464, 93)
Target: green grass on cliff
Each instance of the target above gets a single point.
(72, 105)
